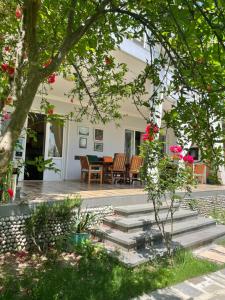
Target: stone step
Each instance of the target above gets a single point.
(200, 237)
(138, 240)
(138, 209)
(143, 223)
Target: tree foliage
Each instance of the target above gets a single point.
(76, 38)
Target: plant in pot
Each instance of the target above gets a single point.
(83, 220)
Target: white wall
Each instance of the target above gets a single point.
(113, 141)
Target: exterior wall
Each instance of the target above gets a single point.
(133, 55)
(113, 141)
(206, 206)
(14, 233)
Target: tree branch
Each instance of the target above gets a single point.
(88, 92)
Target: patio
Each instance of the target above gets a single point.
(41, 191)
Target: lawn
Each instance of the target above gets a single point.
(90, 274)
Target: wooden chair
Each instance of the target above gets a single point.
(118, 170)
(200, 172)
(93, 172)
(134, 171)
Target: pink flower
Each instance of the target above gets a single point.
(51, 78)
(176, 149)
(10, 192)
(180, 156)
(6, 116)
(188, 158)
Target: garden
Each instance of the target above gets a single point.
(47, 251)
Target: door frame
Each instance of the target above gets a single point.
(46, 141)
(64, 150)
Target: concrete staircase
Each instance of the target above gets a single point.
(132, 231)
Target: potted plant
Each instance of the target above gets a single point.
(79, 228)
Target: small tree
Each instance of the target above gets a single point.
(164, 175)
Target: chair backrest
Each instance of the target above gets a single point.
(84, 162)
(92, 159)
(108, 159)
(199, 169)
(119, 162)
(136, 163)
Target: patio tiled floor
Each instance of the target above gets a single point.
(42, 190)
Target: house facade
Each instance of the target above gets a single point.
(65, 144)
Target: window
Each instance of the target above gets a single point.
(55, 140)
(132, 142)
(194, 152)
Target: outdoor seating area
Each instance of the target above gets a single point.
(107, 169)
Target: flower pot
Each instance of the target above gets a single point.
(79, 238)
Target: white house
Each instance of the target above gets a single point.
(65, 145)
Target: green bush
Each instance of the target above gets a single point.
(46, 216)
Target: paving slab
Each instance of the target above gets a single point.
(206, 287)
(213, 256)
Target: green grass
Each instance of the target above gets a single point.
(98, 277)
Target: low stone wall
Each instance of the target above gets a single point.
(205, 205)
(14, 235)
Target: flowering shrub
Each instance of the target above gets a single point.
(176, 149)
(188, 158)
(163, 176)
(150, 131)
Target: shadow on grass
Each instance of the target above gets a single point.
(95, 276)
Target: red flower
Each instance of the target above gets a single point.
(152, 127)
(188, 158)
(155, 129)
(147, 137)
(4, 67)
(11, 71)
(47, 63)
(50, 111)
(10, 192)
(18, 13)
(148, 127)
(107, 60)
(7, 48)
(51, 78)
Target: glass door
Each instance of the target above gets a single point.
(54, 150)
(132, 142)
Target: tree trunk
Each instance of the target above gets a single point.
(18, 117)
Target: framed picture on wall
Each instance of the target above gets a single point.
(98, 135)
(83, 130)
(98, 147)
(83, 142)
